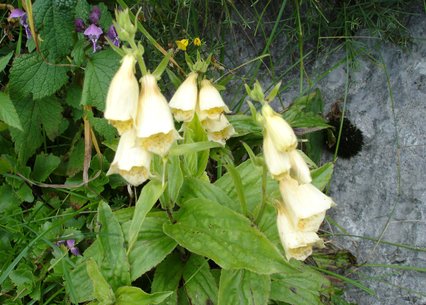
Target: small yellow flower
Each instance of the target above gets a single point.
(182, 44)
(197, 41)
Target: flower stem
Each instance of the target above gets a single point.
(139, 57)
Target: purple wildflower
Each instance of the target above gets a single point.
(79, 25)
(70, 244)
(18, 13)
(93, 32)
(95, 15)
(112, 35)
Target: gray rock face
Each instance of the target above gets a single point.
(381, 192)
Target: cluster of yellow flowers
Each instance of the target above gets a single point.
(144, 119)
(207, 103)
(303, 206)
(183, 43)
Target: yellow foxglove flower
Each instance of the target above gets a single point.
(296, 244)
(299, 168)
(131, 161)
(182, 44)
(278, 162)
(279, 130)
(218, 130)
(184, 100)
(155, 129)
(122, 97)
(210, 103)
(305, 204)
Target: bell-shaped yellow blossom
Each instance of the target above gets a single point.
(122, 97)
(184, 100)
(278, 162)
(306, 205)
(296, 244)
(155, 129)
(131, 161)
(210, 103)
(279, 130)
(218, 130)
(299, 168)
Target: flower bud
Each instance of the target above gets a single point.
(122, 97)
(154, 122)
(211, 104)
(278, 163)
(296, 244)
(306, 205)
(279, 130)
(131, 161)
(184, 100)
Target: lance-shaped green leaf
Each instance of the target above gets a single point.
(213, 230)
(242, 287)
(195, 162)
(200, 284)
(322, 175)
(8, 112)
(192, 147)
(4, 60)
(149, 196)
(151, 245)
(167, 277)
(129, 295)
(101, 289)
(114, 265)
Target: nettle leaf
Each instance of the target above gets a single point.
(243, 287)
(215, 231)
(200, 284)
(30, 74)
(99, 72)
(151, 245)
(8, 112)
(54, 20)
(35, 118)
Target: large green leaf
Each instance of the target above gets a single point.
(99, 72)
(167, 277)
(34, 116)
(8, 112)
(80, 282)
(129, 295)
(151, 245)
(213, 230)
(149, 196)
(54, 21)
(200, 284)
(115, 266)
(242, 287)
(30, 74)
(101, 289)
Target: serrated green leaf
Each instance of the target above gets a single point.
(8, 112)
(99, 72)
(321, 176)
(101, 289)
(44, 165)
(130, 295)
(242, 287)
(210, 229)
(115, 265)
(167, 277)
(30, 74)
(200, 284)
(4, 60)
(151, 245)
(54, 20)
(36, 116)
(106, 19)
(82, 9)
(103, 128)
(149, 196)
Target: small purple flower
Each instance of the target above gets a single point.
(18, 13)
(79, 25)
(112, 35)
(95, 15)
(93, 32)
(70, 244)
